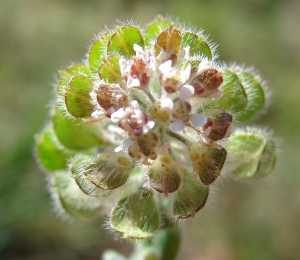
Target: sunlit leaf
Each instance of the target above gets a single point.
(110, 69)
(77, 97)
(74, 133)
(123, 40)
(234, 97)
(197, 45)
(50, 153)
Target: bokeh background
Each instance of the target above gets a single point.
(248, 221)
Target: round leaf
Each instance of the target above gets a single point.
(252, 152)
(136, 216)
(71, 199)
(123, 40)
(110, 69)
(190, 198)
(77, 97)
(74, 133)
(50, 153)
(233, 97)
(255, 94)
(97, 51)
(77, 167)
(197, 44)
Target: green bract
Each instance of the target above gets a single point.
(149, 122)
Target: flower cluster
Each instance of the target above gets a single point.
(151, 114)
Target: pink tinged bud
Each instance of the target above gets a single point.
(110, 96)
(217, 127)
(207, 82)
(140, 71)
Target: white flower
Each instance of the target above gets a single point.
(116, 116)
(125, 144)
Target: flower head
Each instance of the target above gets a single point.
(155, 109)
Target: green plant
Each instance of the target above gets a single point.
(148, 124)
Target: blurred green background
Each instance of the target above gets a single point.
(260, 220)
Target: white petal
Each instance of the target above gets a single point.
(132, 82)
(117, 136)
(118, 148)
(177, 126)
(165, 67)
(185, 74)
(152, 63)
(166, 104)
(135, 104)
(126, 143)
(216, 94)
(139, 51)
(162, 55)
(186, 91)
(198, 120)
(116, 116)
(123, 66)
(203, 65)
(148, 126)
(187, 52)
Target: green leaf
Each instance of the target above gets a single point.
(252, 152)
(74, 133)
(255, 94)
(136, 216)
(77, 97)
(66, 75)
(123, 40)
(211, 164)
(155, 28)
(197, 44)
(234, 97)
(110, 69)
(71, 199)
(190, 198)
(50, 153)
(78, 171)
(98, 51)
(109, 171)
